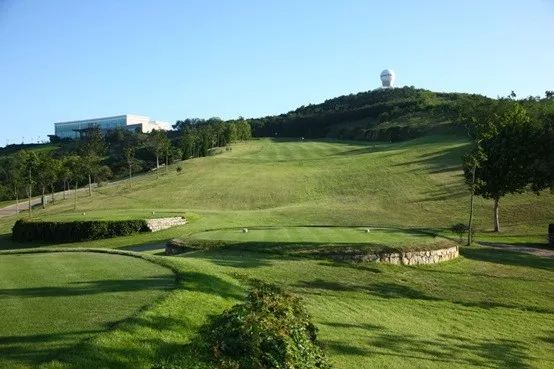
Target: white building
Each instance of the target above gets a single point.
(139, 123)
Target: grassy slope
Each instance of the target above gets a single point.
(487, 309)
(267, 183)
(51, 301)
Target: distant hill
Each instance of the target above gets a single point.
(378, 115)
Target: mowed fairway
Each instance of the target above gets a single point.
(268, 183)
(51, 301)
(488, 309)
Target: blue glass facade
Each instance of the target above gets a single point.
(71, 129)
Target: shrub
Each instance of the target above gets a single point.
(460, 229)
(551, 228)
(75, 231)
(177, 246)
(271, 329)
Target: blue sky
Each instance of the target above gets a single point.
(64, 60)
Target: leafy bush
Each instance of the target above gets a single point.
(177, 246)
(27, 230)
(271, 329)
(460, 229)
(551, 228)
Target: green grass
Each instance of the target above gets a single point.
(490, 308)
(336, 235)
(51, 301)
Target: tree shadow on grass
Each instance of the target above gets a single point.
(507, 257)
(92, 287)
(350, 265)
(383, 290)
(33, 349)
(206, 283)
(235, 258)
(447, 349)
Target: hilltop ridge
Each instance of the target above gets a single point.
(377, 115)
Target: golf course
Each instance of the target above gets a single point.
(275, 206)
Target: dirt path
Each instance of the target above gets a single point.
(545, 253)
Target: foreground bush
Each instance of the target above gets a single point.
(75, 231)
(270, 330)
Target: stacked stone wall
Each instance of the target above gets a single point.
(155, 225)
(405, 258)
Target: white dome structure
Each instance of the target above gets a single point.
(387, 78)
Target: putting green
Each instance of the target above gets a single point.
(51, 301)
(334, 235)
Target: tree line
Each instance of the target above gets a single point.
(116, 154)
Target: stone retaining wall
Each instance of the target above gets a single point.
(159, 224)
(406, 258)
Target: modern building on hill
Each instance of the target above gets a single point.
(137, 123)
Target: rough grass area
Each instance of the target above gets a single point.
(49, 302)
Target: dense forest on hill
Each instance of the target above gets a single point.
(379, 115)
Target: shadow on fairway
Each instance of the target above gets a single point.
(92, 287)
(383, 290)
(507, 257)
(448, 349)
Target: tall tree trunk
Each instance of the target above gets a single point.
(130, 175)
(470, 225)
(496, 216)
(30, 194)
(64, 185)
(89, 185)
(157, 161)
(166, 161)
(16, 199)
(75, 197)
(43, 197)
(52, 193)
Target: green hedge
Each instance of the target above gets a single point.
(32, 230)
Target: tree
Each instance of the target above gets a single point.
(76, 169)
(27, 164)
(65, 174)
(12, 176)
(499, 163)
(92, 148)
(129, 153)
(160, 145)
(46, 174)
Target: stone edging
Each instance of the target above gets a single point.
(158, 224)
(405, 258)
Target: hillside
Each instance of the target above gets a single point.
(376, 115)
(266, 182)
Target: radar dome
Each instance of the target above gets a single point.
(387, 78)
